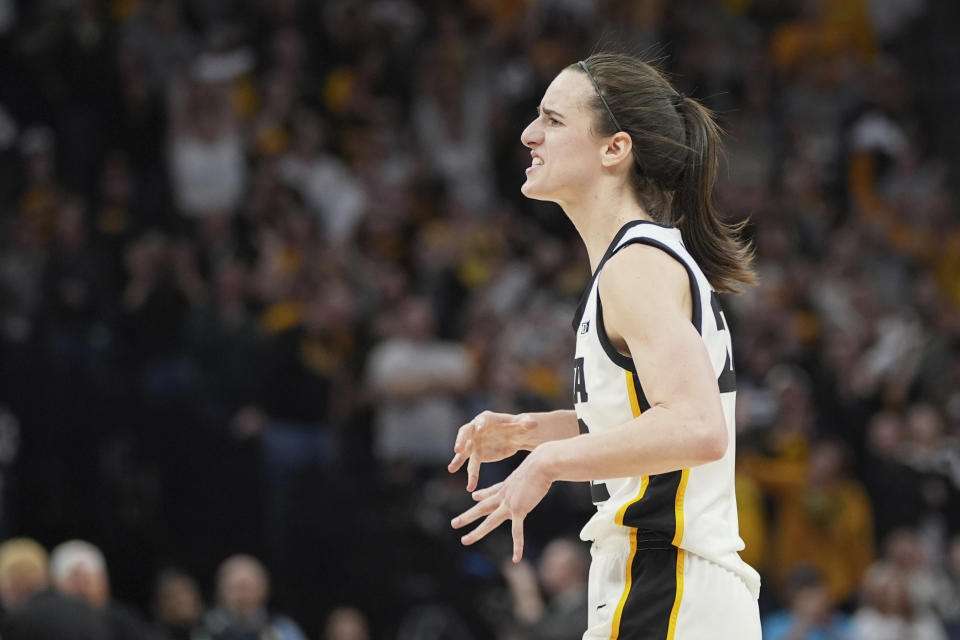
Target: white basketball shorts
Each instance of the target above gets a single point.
(647, 589)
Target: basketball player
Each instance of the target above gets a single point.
(633, 163)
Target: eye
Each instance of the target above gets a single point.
(554, 122)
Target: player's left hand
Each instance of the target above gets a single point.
(511, 500)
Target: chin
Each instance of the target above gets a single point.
(533, 192)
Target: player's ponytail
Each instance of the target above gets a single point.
(676, 152)
(716, 245)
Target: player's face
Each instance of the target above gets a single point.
(565, 154)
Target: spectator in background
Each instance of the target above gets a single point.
(76, 286)
(380, 142)
(207, 162)
(888, 613)
(155, 33)
(42, 193)
(933, 455)
(305, 398)
(178, 607)
(416, 380)
(562, 572)
(33, 610)
(327, 185)
(243, 588)
(907, 553)
(451, 115)
(810, 614)
(894, 487)
(78, 569)
(346, 623)
(162, 282)
(949, 602)
(824, 519)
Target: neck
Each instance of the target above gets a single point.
(600, 214)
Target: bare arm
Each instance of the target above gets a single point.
(552, 425)
(685, 425)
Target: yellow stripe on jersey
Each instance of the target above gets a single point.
(675, 612)
(644, 481)
(677, 538)
(615, 627)
(632, 392)
(678, 507)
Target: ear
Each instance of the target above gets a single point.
(617, 149)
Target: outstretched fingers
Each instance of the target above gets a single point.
(473, 469)
(462, 447)
(517, 531)
(476, 511)
(489, 523)
(483, 494)
(457, 462)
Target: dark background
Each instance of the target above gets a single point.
(213, 212)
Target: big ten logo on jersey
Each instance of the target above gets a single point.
(579, 382)
(727, 380)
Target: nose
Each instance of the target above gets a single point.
(532, 135)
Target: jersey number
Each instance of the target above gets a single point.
(579, 381)
(598, 490)
(728, 377)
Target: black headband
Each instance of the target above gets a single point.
(583, 65)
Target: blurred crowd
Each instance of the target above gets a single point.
(259, 260)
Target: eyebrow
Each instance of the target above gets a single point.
(550, 112)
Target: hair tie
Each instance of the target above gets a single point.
(678, 100)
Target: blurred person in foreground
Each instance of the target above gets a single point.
(78, 569)
(562, 573)
(632, 162)
(243, 588)
(34, 611)
(178, 607)
(810, 614)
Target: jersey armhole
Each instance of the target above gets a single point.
(625, 361)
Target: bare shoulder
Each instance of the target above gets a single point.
(639, 273)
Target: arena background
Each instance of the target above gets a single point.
(260, 258)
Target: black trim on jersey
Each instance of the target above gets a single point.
(696, 315)
(611, 249)
(653, 591)
(625, 361)
(578, 315)
(657, 510)
(599, 492)
(621, 360)
(642, 401)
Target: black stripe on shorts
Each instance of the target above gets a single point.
(653, 591)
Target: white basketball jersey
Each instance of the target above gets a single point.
(693, 509)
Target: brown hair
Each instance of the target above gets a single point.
(676, 151)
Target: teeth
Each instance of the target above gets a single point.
(536, 161)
